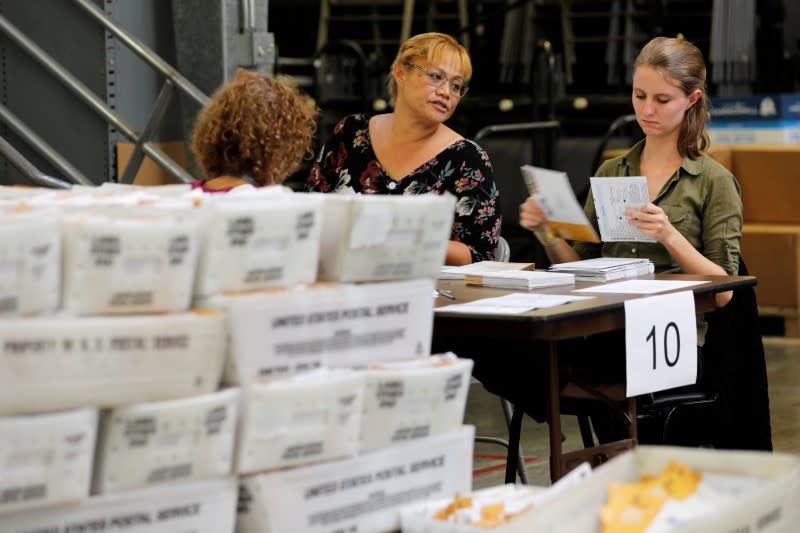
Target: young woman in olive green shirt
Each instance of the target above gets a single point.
(695, 212)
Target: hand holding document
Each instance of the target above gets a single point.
(612, 197)
(565, 216)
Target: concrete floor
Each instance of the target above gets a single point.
(485, 413)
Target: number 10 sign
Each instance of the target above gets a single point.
(660, 343)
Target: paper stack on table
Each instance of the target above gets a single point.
(605, 268)
(481, 267)
(521, 279)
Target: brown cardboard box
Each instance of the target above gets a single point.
(772, 253)
(770, 180)
(149, 172)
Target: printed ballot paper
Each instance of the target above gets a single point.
(150, 444)
(414, 399)
(200, 507)
(364, 494)
(280, 333)
(565, 217)
(54, 363)
(310, 417)
(45, 459)
(612, 196)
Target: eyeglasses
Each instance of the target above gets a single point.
(436, 78)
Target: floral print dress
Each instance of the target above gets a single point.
(347, 163)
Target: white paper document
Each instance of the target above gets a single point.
(512, 303)
(612, 196)
(660, 343)
(554, 193)
(642, 286)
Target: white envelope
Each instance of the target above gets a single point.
(414, 399)
(311, 417)
(142, 261)
(46, 459)
(281, 333)
(61, 362)
(370, 238)
(256, 241)
(150, 444)
(199, 507)
(364, 494)
(30, 262)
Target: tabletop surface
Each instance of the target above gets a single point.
(601, 302)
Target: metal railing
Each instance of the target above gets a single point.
(143, 145)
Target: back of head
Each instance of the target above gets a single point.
(682, 62)
(254, 125)
(431, 47)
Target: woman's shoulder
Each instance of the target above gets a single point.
(350, 123)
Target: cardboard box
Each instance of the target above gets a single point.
(765, 501)
(30, 262)
(55, 363)
(200, 507)
(46, 459)
(251, 243)
(753, 108)
(755, 132)
(285, 332)
(142, 261)
(363, 494)
(414, 399)
(772, 252)
(154, 443)
(307, 418)
(371, 237)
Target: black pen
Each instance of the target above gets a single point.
(447, 294)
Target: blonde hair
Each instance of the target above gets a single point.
(430, 46)
(683, 63)
(255, 125)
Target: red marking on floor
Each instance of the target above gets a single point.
(484, 470)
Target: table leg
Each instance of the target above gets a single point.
(554, 417)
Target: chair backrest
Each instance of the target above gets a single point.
(502, 252)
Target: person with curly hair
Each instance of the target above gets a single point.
(412, 151)
(256, 129)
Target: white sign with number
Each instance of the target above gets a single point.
(660, 343)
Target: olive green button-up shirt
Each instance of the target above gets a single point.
(702, 201)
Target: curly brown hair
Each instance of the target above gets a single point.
(255, 125)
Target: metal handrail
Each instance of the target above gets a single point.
(49, 153)
(143, 145)
(29, 169)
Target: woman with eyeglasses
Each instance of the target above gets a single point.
(412, 151)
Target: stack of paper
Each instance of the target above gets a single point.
(481, 267)
(521, 279)
(605, 268)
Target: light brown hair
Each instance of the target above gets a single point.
(255, 125)
(682, 62)
(430, 46)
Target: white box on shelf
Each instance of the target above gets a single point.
(30, 262)
(200, 507)
(139, 261)
(252, 243)
(414, 399)
(154, 443)
(46, 459)
(284, 332)
(315, 416)
(65, 362)
(364, 494)
(370, 238)
(756, 491)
